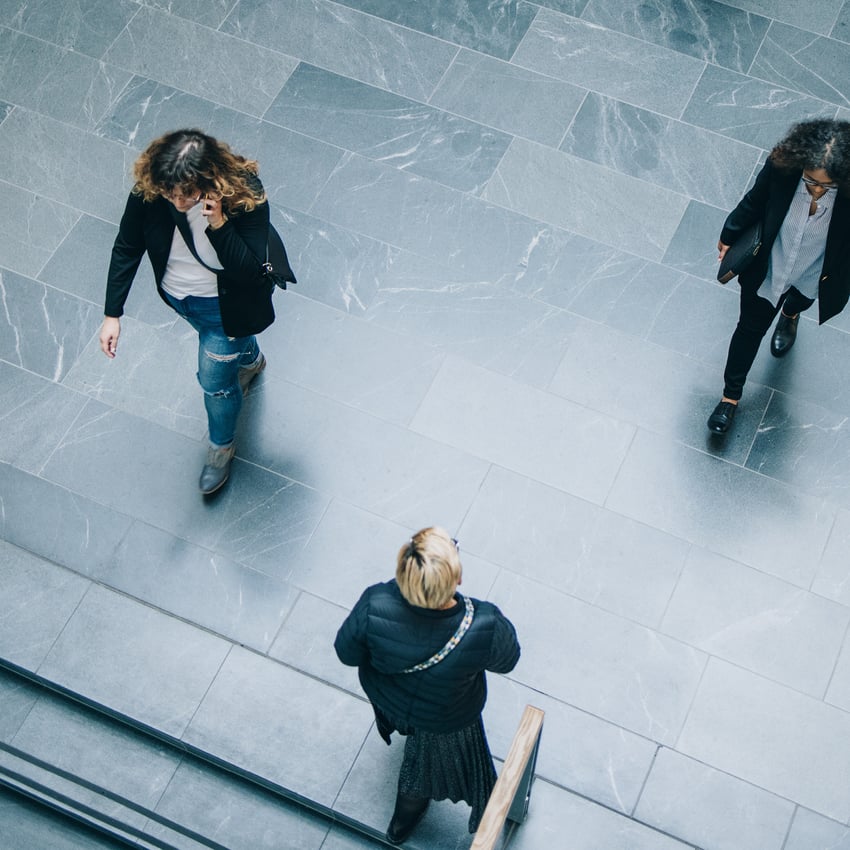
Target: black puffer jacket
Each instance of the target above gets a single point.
(385, 634)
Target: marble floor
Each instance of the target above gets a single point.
(503, 216)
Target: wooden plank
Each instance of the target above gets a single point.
(522, 746)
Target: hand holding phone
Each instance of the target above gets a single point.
(213, 212)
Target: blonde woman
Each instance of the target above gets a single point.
(200, 212)
(422, 650)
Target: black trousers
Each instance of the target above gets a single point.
(757, 315)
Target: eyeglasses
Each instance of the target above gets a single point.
(828, 187)
(180, 195)
(457, 545)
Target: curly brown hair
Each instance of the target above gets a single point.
(192, 160)
(821, 143)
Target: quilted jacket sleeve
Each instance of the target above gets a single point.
(505, 650)
(350, 643)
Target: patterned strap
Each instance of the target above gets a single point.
(454, 640)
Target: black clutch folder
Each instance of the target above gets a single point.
(740, 254)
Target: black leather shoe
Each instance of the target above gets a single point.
(722, 417)
(784, 335)
(408, 812)
(217, 468)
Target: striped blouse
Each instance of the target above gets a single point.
(797, 255)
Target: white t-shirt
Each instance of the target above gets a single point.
(184, 275)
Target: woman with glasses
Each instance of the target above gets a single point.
(200, 212)
(801, 198)
(422, 649)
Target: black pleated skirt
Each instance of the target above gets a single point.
(450, 766)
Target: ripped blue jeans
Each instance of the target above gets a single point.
(219, 359)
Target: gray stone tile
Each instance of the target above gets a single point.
(608, 62)
(386, 373)
(756, 621)
(833, 578)
(699, 164)
(477, 24)
(199, 585)
(818, 18)
(308, 748)
(78, 90)
(211, 13)
(571, 545)
(541, 183)
(839, 688)
(805, 446)
(492, 417)
(305, 642)
(135, 382)
(259, 519)
(708, 808)
(771, 736)
(65, 164)
(27, 824)
(340, 838)
(56, 524)
(98, 750)
(693, 247)
(723, 508)
(35, 415)
(715, 32)
(509, 98)
(804, 62)
(79, 266)
(347, 42)
(371, 546)
(462, 315)
(590, 756)
(388, 128)
(841, 30)
(43, 330)
(135, 660)
(810, 831)
(479, 239)
(655, 388)
(369, 793)
(31, 230)
(24, 64)
(153, 45)
(86, 26)
(610, 667)
(239, 815)
(354, 456)
(17, 697)
(335, 265)
(757, 112)
(40, 599)
(591, 826)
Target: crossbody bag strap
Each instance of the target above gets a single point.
(186, 232)
(454, 640)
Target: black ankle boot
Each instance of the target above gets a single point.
(408, 812)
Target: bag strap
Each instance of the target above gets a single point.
(186, 232)
(454, 640)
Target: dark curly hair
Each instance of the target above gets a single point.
(191, 159)
(821, 143)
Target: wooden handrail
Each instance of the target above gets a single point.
(518, 766)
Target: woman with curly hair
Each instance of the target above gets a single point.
(200, 212)
(802, 198)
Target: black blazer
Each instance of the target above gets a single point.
(245, 296)
(769, 200)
